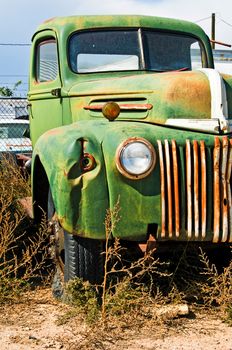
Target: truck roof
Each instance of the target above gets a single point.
(71, 23)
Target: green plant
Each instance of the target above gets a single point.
(6, 91)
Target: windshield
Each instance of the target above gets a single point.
(120, 50)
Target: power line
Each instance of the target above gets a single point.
(14, 44)
(12, 83)
(203, 19)
(222, 20)
(14, 76)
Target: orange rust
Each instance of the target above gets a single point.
(228, 176)
(176, 188)
(132, 106)
(203, 188)
(90, 164)
(55, 131)
(216, 204)
(224, 201)
(49, 20)
(196, 188)
(169, 187)
(162, 186)
(196, 87)
(149, 245)
(189, 188)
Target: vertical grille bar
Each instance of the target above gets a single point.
(169, 186)
(176, 188)
(186, 202)
(224, 201)
(228, 175)
(196, 188)
(189, 188)
(203, 189)
(216, 191)
(162, 180)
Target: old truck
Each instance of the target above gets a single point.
(128, 109)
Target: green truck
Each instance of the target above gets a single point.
(128, 110)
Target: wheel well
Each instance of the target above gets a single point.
(40, 190)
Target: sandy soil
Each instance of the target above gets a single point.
(34, 324)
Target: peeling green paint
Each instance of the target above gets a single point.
(63, 130)
(81, 199)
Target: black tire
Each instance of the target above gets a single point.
(83, 258)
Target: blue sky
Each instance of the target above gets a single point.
(19, 19)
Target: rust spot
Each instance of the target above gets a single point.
(87, 162)
(162, 185)
(203, 188)
(176, 188)
(216, 161)
(55, 131)
(189, 188)
(169, 186)
(224, 166)
(49, 20)
(190, 91)
(196, 187)
(132, 106)
(149, 245)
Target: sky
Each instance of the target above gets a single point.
(19, 19)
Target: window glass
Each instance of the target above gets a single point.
(47, 62)
(167, 52)
(104, 51)
(133, 49)
(196, 58)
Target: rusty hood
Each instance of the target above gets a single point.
(194, 100)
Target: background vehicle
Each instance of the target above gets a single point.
(128, 108)
(12, 139)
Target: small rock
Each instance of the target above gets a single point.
(32, 337)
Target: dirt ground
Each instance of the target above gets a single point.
(36, 324)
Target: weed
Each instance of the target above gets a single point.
(217, 289)
(22, 246)
(149, 291)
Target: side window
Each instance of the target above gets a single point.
(196, 56)
(47, 61)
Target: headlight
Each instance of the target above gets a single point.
(135, 158)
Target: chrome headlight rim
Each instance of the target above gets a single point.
(120, 151)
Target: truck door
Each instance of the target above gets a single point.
(44, 97)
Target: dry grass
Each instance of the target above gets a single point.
(217, 289)
(133, 293)
(22, 246)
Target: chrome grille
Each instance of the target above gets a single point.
(195, 185)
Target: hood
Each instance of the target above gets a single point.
(190, 100)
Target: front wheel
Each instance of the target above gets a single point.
(74, 256)
(83, 258)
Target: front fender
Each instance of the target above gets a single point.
(80, 197)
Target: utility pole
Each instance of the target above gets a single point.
(213, 30)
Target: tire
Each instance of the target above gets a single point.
(83, 259)
(74, 256)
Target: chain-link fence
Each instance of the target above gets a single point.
(14, 128)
